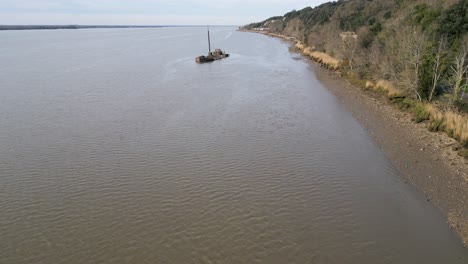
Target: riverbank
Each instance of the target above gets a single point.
(425, 158)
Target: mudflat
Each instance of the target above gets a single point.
(426, 158)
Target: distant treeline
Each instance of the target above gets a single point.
(38, 27)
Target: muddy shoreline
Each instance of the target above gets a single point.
(425, 158)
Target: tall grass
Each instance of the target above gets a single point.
(325, 59)
(457, 126)
(370, 85)
(319, 57)
(454, 124)
(388, 88)
(450, 122)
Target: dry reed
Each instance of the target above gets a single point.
(318, 56)
(457, 126)
(387, 87)
(454, 124)
(370, 85)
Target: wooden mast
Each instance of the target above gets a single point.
(209, 43)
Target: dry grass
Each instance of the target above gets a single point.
(278, 36)
(388, 88)
(454, 124)
(325, 59)
(318, 56)
(434, 112)
(457, 126)
(300, 46)
(370, 85)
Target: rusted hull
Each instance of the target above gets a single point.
(210, 58)
(203, 59)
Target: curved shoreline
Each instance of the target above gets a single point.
(425, 158)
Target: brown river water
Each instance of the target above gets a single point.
(116, 147)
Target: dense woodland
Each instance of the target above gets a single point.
(420, 47)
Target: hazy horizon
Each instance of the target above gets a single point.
(144, 12)
(116, 25)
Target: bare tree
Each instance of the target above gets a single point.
(332, 44)
(350, 45)
(440, 53)
(413, 43)
(459, 70)
(375, 56)
(294, 28)
(390, 60)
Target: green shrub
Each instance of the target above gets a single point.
(418, 110)
(420, 113)
(403, 103)
(436, 125)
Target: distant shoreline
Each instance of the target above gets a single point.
(46, 27)
(41, 27)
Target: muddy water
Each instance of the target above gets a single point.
(117, 148)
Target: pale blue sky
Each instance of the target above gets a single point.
(145, 12)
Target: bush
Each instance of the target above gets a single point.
(419, 110)
(420, 113)
(462, 106)
(403, 103)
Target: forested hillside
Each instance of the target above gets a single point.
(415, 51)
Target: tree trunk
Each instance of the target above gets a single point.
(440, 54)
(459, 71)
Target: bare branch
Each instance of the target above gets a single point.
(440, 54)
(459, 70)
